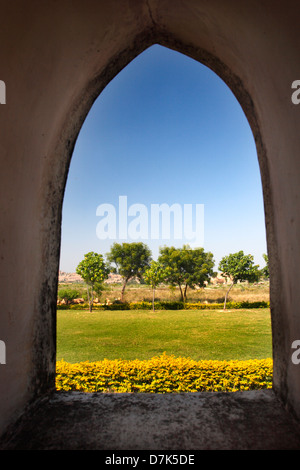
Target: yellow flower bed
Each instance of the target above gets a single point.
(164, 374)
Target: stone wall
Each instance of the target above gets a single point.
(55, 58)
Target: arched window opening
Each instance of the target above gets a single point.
(165, 158)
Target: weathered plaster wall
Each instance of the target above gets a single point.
(55, 58)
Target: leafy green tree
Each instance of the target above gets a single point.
(265, 270)
(238, 267)
(130, 260)
(68, 294)
(93, 271)
(155, 275)
(187, 267)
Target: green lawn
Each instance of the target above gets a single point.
(136, 334)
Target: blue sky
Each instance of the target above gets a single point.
(166, 130)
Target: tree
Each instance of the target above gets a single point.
(265, 270)
(130, 260)
(187, 267)
(238, 267)
(153, 276)
(93, 271)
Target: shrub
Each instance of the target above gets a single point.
(67, 294)
(169, 305)
(164, 374)
(117, 306)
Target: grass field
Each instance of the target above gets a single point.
(212, 334)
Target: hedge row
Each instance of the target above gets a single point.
(167, 305)
(164, 374)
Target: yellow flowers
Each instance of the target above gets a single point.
(164, 374)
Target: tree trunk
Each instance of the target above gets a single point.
(92, 298)
(153, 299)
(123, 288)
(181, 293)
(226, 295)
(185, 291)
(88, 296)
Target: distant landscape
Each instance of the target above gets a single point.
(137, 292)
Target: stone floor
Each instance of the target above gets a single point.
(196, 421)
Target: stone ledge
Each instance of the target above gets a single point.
(189, 421)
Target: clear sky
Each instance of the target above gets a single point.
(165, 130)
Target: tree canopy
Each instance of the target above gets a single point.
(93, 271)
(265, 270)
(130, 260)
(187, 267)
(154, 275)
(238, 267)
